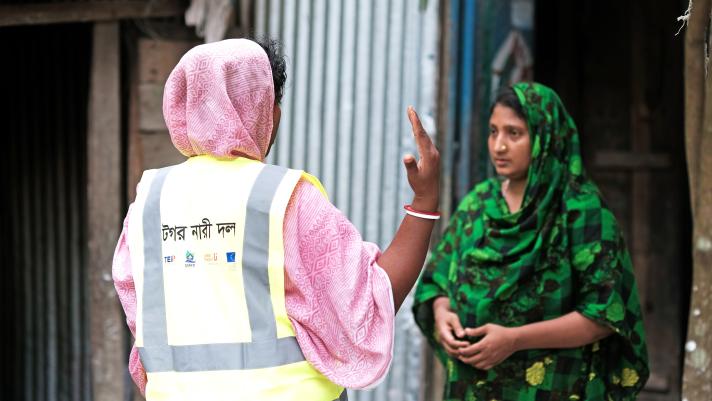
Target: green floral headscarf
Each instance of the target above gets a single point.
(561, 252)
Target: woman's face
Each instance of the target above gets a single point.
(508, 143)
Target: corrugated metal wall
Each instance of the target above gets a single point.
(353, 68)
(44, 88)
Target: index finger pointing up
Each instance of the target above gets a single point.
(421, 137)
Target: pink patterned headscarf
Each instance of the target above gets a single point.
(219, 100)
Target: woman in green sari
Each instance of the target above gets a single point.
(530, 294)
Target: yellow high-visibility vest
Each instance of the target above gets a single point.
(207, 253)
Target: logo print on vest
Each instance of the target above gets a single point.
(230, 257)
(189, 259)
(169, 259)
(211, 257)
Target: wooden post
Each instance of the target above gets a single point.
(694, 89)
(104, 220)
(697, 377)
(433, 373)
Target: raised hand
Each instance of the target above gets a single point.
(404, 257)
(424, 173)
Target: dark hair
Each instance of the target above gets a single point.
(279, 67)
(507, 98)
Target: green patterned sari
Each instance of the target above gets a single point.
(561, 252)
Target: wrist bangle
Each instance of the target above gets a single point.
(423, 215)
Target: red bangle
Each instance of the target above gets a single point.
(419, 213)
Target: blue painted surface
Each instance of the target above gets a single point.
(466, 93)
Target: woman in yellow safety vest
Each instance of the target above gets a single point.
(240, 281)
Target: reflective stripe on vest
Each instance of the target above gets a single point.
(269, 351)
(216, 326)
